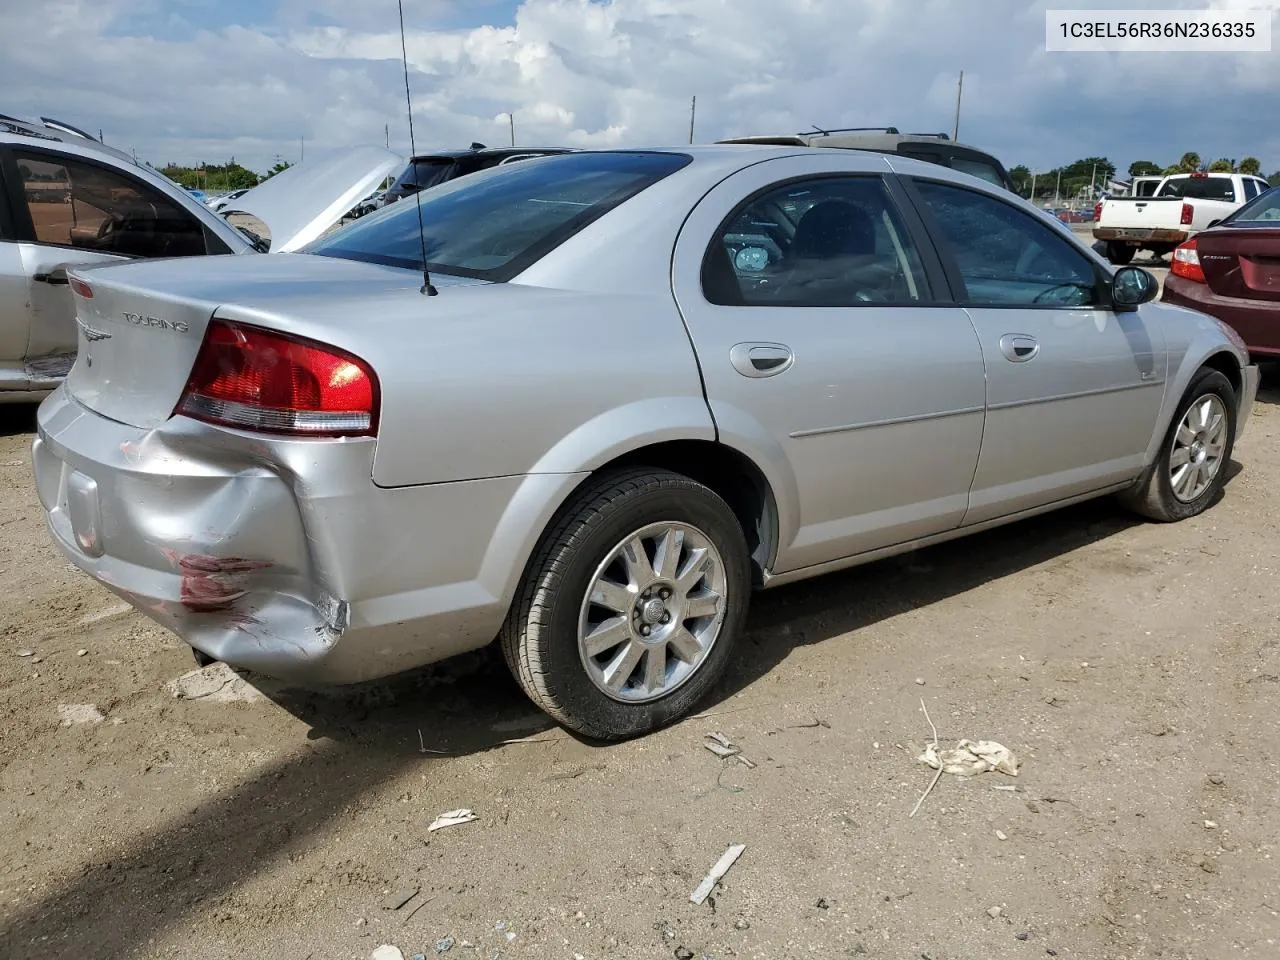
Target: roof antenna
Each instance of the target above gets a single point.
(427, 288)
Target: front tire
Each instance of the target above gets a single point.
(1190, 468)
(630, 607)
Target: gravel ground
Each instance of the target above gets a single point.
(1133, 668)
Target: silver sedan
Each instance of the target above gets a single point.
(633, 387)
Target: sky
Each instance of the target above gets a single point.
(257, 80)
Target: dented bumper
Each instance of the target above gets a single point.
(280, 556)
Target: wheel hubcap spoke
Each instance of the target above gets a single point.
(1199, 446)
(641, 640)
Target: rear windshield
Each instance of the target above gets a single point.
(1265, 208)
(493, 224)
(1199, 188)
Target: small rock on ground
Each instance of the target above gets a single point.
(216, 682)
(76, 714)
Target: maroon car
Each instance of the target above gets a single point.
(1232, 272)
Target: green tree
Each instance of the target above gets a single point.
(280, 167)
(1021, 177)
(1172, 169)
(1251, 166)
(1143, 168)
(1189, 163)
(1222, 165)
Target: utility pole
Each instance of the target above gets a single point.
(386, 133)
(302, 149)
(1093, 190)
(1057, 191)
(955, 129)
(511, 119)
(100, 140)
(693, 113)
(1033, 188)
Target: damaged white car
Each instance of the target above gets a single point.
(67, 200)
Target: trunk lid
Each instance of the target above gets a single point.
(1141, 214)
(301, 203)
(140, 332)
(1241, 261)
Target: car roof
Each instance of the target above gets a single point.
(44, 130)
(487, 152)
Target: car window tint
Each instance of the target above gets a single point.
(493, 224)
(976, 168)
(834, 241)
(1250, 189)
(81, 205)
(1200, 188)
(1004, 255)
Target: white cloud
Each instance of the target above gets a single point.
(622, 72)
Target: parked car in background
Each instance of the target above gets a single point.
(1232, 272)
(432, 169)
(933, 147)
(198, 194)
(218, 204)
(1182, 206)
(106, 208)
(307, 467)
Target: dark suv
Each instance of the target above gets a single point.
(432, 169)
(935, 147)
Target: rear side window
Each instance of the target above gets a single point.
(77, 204)
(979, 169)
(493, 224)
(827, 242)
(1147, 188)
(1200, 188)
(1250, 189)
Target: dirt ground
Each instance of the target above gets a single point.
(1133, 667)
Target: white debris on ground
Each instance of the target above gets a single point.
(119, 610)
(968, 758)
(451, 819)
(216, 682)
(717, 872)
(387, 952)
(78, 714)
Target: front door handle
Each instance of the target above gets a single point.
(761, 359)
(1019, 347)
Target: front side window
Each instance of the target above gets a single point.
(835, 241)
(77, 204)
(1006, 257)
(495, 223)
(1250, 189)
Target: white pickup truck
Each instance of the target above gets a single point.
(1183, 205)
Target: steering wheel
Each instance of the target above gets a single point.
(1039, 297)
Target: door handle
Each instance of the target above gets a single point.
(1019, 347)
(761, 359)
(57, 276)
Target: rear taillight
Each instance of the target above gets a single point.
(1097, 210)
(1186, 263)
(257, 379)
(80, 288)
(1188, 212)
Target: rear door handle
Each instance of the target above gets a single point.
(57, 276)
(1019, 347)
(761, 359)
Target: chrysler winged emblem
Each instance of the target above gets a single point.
(92, 334)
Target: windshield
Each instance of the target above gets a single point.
(493, 224)
(1199, 188)
(1264, 208)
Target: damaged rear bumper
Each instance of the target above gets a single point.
(280, 556)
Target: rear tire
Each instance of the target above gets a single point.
(585, 640)
(1120, 253)
(1191, 465)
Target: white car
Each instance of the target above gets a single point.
(1182, 206)
(73, 201)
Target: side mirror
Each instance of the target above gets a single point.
(1131, 287)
